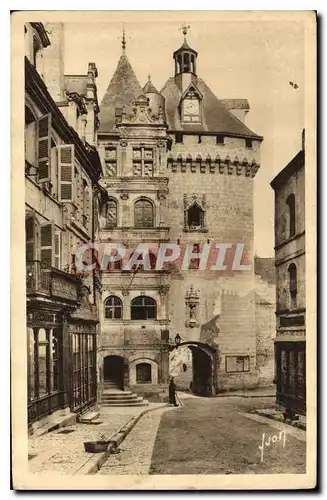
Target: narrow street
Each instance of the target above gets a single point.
(209, 436)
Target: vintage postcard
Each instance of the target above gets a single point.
(165, 254)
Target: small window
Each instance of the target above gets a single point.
(179, 138)
(143, 165)
(220, 139)
(248, 143)
(195, 262)
(199, 139)
(142, 265)
(111, 213)
(292, 271)
(237, 364)
(143, 373)
(291, 214)
(110, 161)
(113, 308)
(143, 308)
(195, 217)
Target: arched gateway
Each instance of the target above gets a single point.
(204, 368)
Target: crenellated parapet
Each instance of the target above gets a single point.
(229, 165)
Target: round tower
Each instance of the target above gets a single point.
(156, 100)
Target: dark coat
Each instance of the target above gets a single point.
(172, 393)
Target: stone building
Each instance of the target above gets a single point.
(179, 167)
(62, 170)
(265, 318)
(289, 187)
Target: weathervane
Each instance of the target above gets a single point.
(185, 27)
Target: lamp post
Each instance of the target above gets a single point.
(178, 339)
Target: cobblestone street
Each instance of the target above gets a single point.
(210, 436)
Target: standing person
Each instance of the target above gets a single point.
(172, 392)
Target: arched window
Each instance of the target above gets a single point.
(291, 214)
(143, 373)
(195, 217)
(143, 214)
(292, 271)
(111, 213)
(113, 308)
(143, 308)
(186, 63)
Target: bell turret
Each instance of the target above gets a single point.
(185, 62)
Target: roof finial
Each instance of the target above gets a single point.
(123, 42)
(185, 27)
(149, 77)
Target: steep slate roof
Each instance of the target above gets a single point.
(149, 88)
(215, 118)
(122, 90)
(293, 166)
(185, 46)
(236, 103)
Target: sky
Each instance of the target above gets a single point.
(255, 60)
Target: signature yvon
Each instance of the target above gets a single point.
(271, 440)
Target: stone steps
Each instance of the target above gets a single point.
(116, 397)
(144, 402)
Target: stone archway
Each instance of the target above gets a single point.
(203, 366)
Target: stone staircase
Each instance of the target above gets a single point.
(112, 395)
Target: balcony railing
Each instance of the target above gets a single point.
(46, 280)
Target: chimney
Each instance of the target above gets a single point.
(53, 61)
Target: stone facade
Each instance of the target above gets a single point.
(289, 187)
(265, 303)
(61, 196)
(192, 159)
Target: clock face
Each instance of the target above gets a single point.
(191, 107)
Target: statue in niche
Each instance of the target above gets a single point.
(192, 300)
(192, 311)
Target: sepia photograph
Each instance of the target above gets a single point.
(164, 227)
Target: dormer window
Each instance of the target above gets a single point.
(191, 108)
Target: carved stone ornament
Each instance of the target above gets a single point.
(192, 299)
(124, 195)
(37, 318)
(190, 199)
(125, 291)
(192, 296)
(123, 143)
(161, 194)
(163, 290)
(141, 113)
